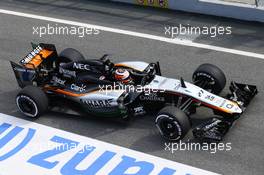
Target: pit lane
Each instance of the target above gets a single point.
(176, 61)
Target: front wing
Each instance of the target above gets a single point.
(216, 128)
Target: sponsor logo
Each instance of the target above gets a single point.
(177, 86)
(81, 66)
(215, 123)
(187, 91)
(151, 2)
(210, 97)
(141, 1)
(154, 3)
(98, 103)
(42, 150)
(67, 73)
(162, 3)
(31, 55)
(139, 110)
(81, 88)
(200, 93)
(102, 77)
(151, 97)
(58, 81)
(155, 81)
(223, 103)
(229, 106)
(23, 70)
(218, 101)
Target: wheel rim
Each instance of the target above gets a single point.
(205, 82)
(27, 105)
(168, 127)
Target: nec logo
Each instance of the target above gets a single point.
(81, 66)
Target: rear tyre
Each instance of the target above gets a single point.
(32, 101)
(209, 77)
(172, 123)
(69, 55)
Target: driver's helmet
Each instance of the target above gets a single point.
(122, 75)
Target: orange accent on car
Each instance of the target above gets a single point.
(37, 60)
(126, 66)
(68, 93)
(206, 104)
(121, 65)
(218, 108)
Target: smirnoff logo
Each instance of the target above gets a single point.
(31, 55)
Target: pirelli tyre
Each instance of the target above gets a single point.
(32, 101)
(209, 77)
(69, 55)
(172, 123)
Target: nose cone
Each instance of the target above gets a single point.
(237, 109)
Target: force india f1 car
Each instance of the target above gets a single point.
(100, 87)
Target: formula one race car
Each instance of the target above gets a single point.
(103, 88)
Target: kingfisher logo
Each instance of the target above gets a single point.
(71, 154)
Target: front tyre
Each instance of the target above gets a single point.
(210, 78)
(172, 123)
(32, 101)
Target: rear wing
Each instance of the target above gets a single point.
(40, 53)
(40, 58)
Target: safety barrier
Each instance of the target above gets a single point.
(250, 10)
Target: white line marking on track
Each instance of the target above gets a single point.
(136, 34)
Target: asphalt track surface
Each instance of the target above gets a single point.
(246, 137)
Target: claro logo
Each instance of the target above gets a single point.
(54, 160)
